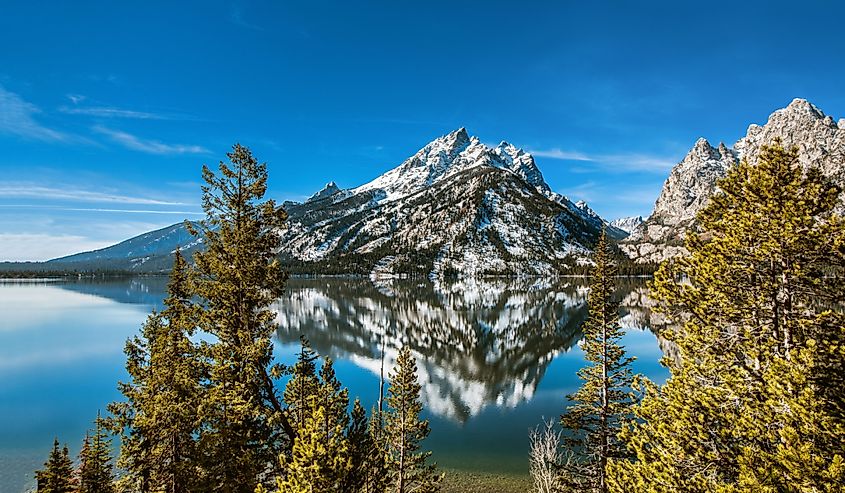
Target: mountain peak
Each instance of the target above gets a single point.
(450, 154)
(327, 191)
(802, 106)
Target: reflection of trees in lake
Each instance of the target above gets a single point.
(479, 342)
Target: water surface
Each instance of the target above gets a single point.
(494, 355)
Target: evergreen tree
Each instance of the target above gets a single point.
(320, 457)
(159, 419)
(368, 473)
(755, 402)
(404, 431)
(238, 278)
(96, 472)
(303, 385)
(57, 475)
(333, 397)
(604, 400)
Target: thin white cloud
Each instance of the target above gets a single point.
(561, 154)
(135, 143)
(23, 247)
(113, 112)
(100, 209)
(52, 193)
(76, 98)
(625, 162)
(17, 117)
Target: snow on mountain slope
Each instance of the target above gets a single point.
(149, 251)
(456, 206)
(820, 140)
(627, 224)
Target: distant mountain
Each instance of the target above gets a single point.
(455, 206)
(820, 140)
(148, 252)
(627, 224)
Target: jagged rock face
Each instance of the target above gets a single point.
(627, 224)
(820, 140)
(328, 191)
(482, 220)
(456, 206)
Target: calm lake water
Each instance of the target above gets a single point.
(495, 356)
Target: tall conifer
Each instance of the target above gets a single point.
(604, 400)
(159, 419)
(96, 471)
(58, 475)
(408, 470)
(755, 402)
(238, 278)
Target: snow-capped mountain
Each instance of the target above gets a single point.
(627, 224)
(455, 206)
(820, 140)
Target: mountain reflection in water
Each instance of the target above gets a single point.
(495, 355)
(479, 342)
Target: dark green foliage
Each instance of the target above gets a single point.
(159, 418)
(237, 278)
(96, 471)
(58, 475)
(368, 473)
(404, 431)
(604, 400)
(302, 386)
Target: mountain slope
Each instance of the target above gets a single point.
(627, 224)
(147, 252)
(455, 206)
(820, 140)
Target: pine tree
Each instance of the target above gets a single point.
(404, 431)
(320, 457)
(368, 471)
(159, 419)
(57, 475)
(303, 385)
(755, 402)
(238, 278)
(604, 400)
(96, 472)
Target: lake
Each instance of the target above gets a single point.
(495, 356)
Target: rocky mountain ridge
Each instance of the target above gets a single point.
(457, 206)
(820, 141)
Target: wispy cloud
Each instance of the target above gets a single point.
(561, 154)
(53, 193)
(113, 112)
(100, 209)
(76, 98)
(17, 117)
(135, 143)
(20, 247)
(622, 161)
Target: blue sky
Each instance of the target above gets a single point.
(108, 109)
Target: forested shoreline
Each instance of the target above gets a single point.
(754, 403)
